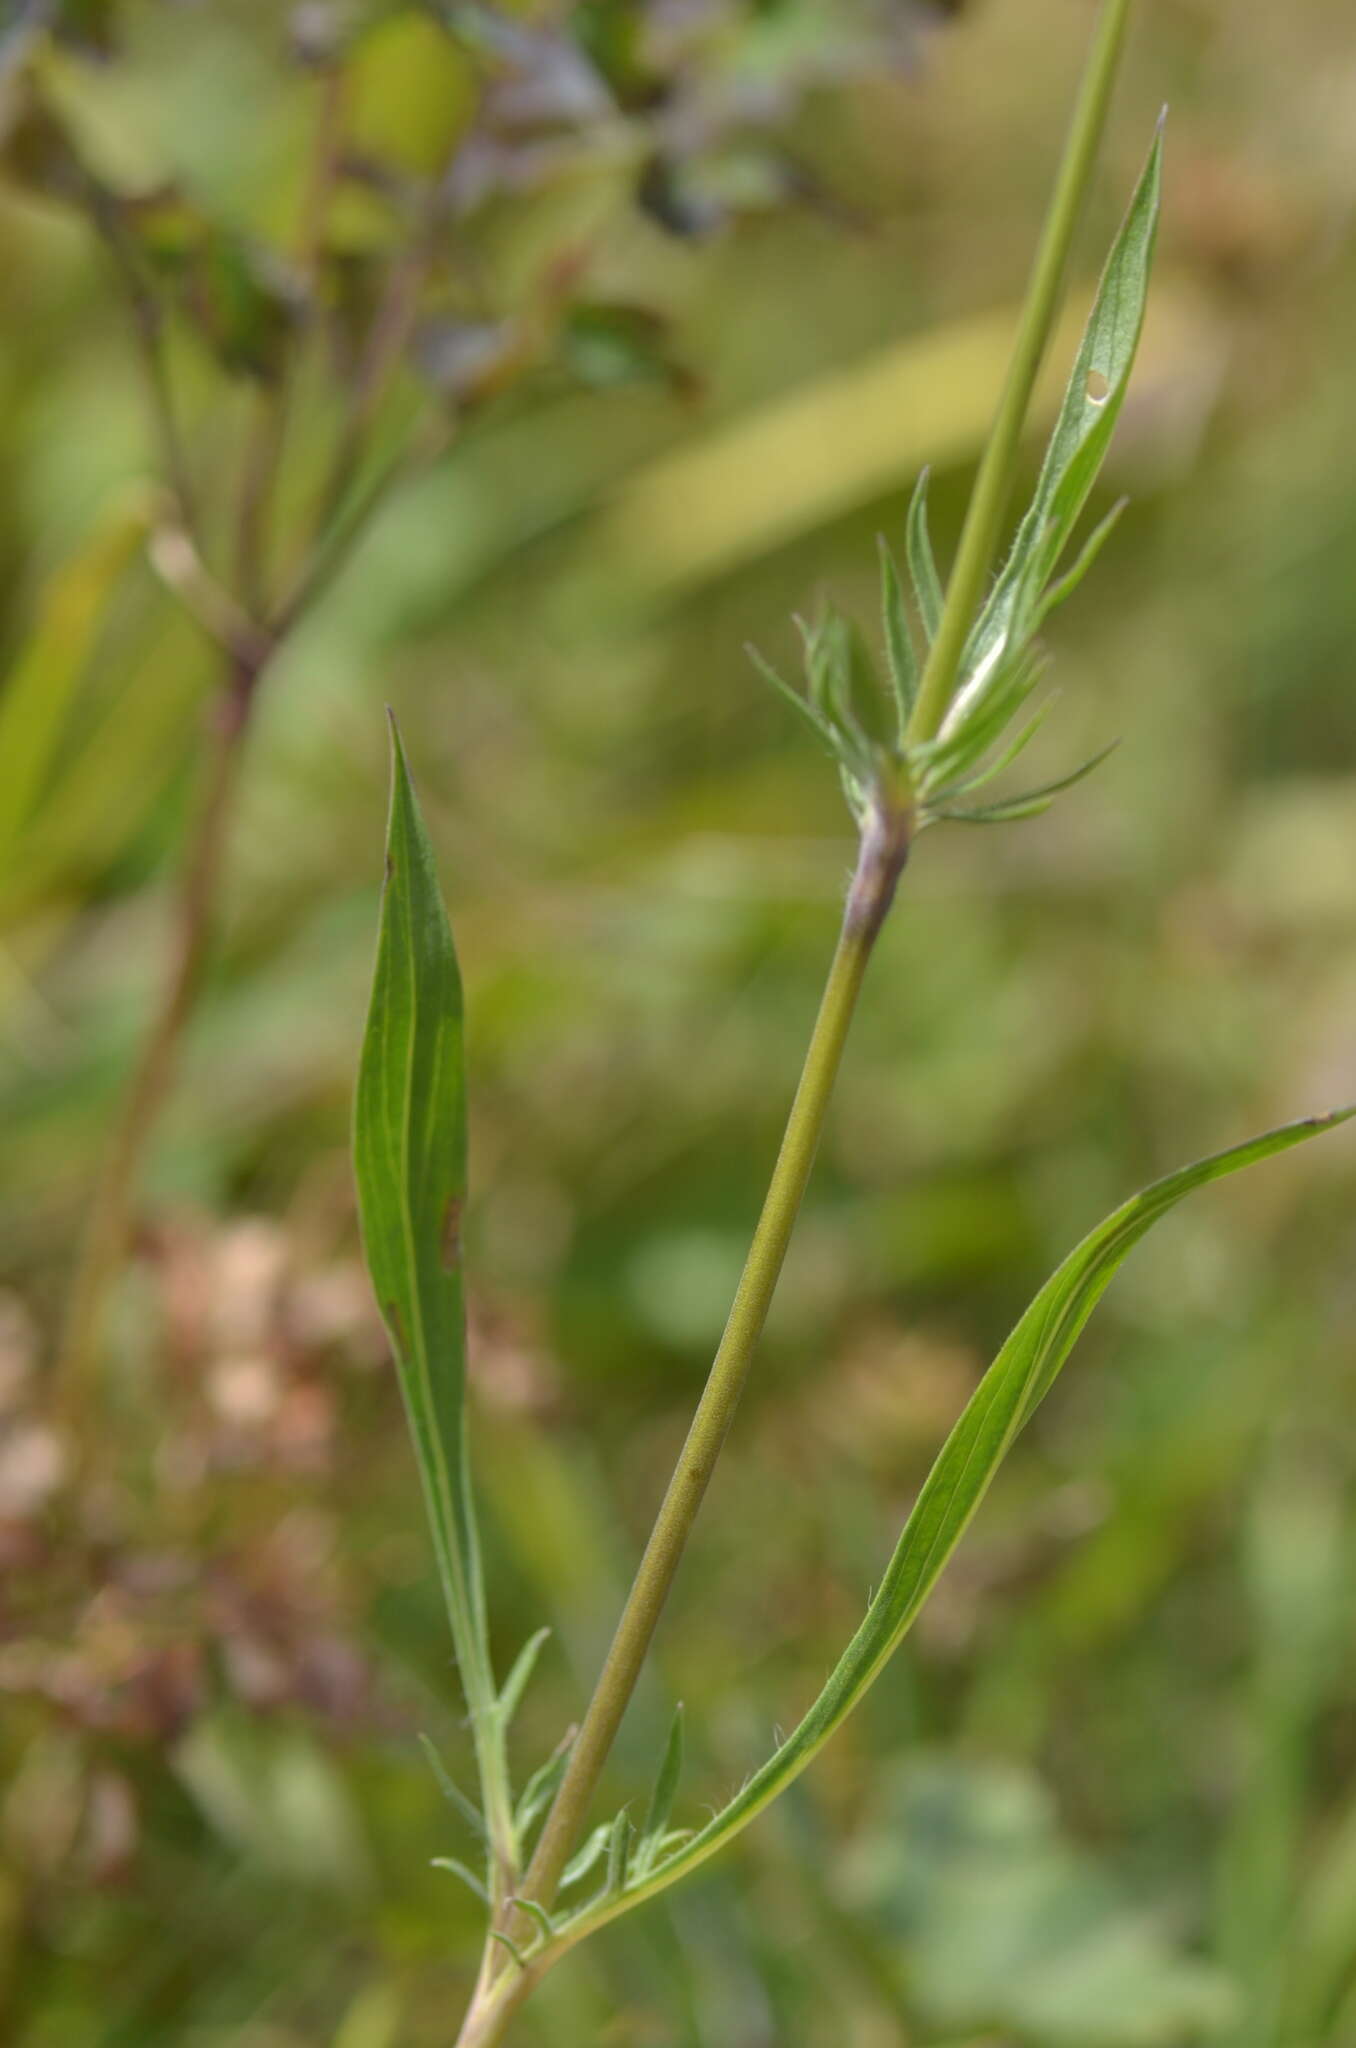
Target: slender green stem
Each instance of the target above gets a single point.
(883, 851)
(993, 484)
(503, 1985)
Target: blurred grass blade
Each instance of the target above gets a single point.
(1320, 1951)
(410, 1163)
(38, 692)
(1001, 1405)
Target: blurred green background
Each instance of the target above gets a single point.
(1107, 1796)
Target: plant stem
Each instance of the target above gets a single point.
(503, 1986)
(500, 1992)
(883, 851)
(108, 1227)
(998, 468)
(249, 648)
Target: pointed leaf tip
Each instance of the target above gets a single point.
(662, 1798)
(524, 1664)
(409, 1153)
(1002, 1404)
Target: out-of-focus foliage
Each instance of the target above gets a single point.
(1126, 1727)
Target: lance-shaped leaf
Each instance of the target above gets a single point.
(1002, 1404)
(410, 1162)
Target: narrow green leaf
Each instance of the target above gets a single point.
(540, 1788)
(1082, 434)
(40, 690)
(452, 1792)
(832, 671)
(515, 1685)
(410, 1163)
(584, 1859)
(661, 1799)
(1030, 802)
(468, 1877)
(1001, 1405)
(818, 726)
(900, 656)
(927, 584)
(507, 1941)
(536, 1911)
(618, 1853)
(960, 750)
(1082, 562)
(939, 798)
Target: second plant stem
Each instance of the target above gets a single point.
(110, 1210)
